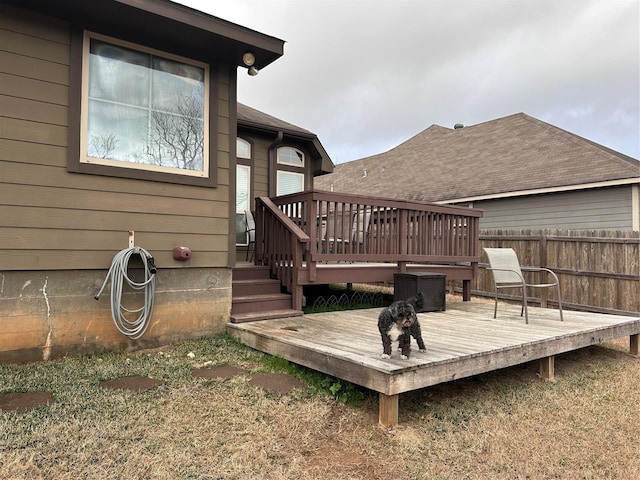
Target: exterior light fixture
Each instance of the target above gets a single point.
(248, 59)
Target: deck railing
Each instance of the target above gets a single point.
(296, 232)
(345, 227)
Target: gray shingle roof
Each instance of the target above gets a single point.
(511, 154)
(255, 118)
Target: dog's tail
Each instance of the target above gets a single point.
(418, 304)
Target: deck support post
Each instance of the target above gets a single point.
(634, 344)
(466, 290)
(547, 368)
(388, 410)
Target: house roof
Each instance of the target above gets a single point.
(514, 155)
(250, 117)
(256, 120)
(167, 25)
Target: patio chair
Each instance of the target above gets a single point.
(507, 273)
(361, 229)
(251, 233)
(336, 230)
(332, 232)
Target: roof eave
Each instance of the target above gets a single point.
(193, 33)
(538, 191)
(325, 164)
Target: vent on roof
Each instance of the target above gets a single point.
(458, 126)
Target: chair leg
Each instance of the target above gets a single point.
(495, 308)
(560, 304)
(524, 304)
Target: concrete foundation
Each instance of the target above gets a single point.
(48, 314)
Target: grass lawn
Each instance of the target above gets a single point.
(506, 424)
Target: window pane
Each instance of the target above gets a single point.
(290, 156)
(241, 229)
(242, 189)
(178, 88)
(243, 148)
(176, 141)
(289, 183)
(118, 74)
(117, 132)
(145, 109)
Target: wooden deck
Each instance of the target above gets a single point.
(462, 341)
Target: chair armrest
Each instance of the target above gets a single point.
(541, 269)
(507, 270)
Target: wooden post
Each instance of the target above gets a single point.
(634, 343)
(401, 232)
(547, 368)
(388, 410)
(466, 290)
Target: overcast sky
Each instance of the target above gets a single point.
(366, 75)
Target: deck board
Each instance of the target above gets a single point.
(462, 341)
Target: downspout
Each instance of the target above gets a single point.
(273, 162)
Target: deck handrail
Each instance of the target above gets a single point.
(348, 227)
(280, 244)
(296, 232)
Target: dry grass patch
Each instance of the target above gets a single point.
(503, 425)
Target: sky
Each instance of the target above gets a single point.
(366, 75)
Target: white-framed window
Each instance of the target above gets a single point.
(290, 173)
(243, 189)
(143, 109)
(289, 182)
(243, 149)
(290, 156)
(243, 202)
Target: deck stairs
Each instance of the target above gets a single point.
(257, 296)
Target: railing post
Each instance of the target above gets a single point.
(313, 225)
(403, 220)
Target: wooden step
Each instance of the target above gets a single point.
(256, 296)
(256, 316)
(260, 303)
(248, 271)
(258, 286)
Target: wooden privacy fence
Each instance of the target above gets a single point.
(599, 270)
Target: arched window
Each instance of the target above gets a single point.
(290, 156)
(243, 148)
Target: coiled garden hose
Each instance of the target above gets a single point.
(133, 329)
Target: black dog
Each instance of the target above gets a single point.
(399, 322)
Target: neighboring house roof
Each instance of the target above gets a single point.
(175, 27)
(514, 155)
(256, 120)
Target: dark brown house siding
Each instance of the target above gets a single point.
(59, 231)
(60, 220)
